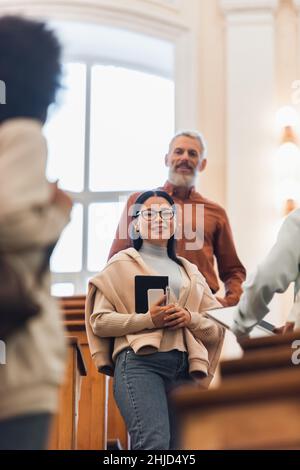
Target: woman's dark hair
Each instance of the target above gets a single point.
(138, 241)
(30, 68)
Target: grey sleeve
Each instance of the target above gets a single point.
(274, 274)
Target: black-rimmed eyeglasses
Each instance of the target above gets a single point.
(151, 214)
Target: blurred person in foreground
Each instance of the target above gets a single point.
(33, 214)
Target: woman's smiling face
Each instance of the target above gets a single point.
(156, 221)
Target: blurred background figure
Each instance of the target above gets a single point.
(33, 213)
(274, 275)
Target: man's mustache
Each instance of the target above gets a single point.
(184, 165)
(161, 225)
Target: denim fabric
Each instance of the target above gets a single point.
(141, 388)
(28, 432)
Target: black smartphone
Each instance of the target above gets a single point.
(142, 285)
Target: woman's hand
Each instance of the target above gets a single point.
(287, 328)
(176, 317)
(157, 312)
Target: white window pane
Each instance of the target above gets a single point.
(65, 131)
(62, 289)
(103, 221)
(67, 256)
(132, 121)
(86, 284)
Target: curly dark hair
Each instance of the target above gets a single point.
(30, 67)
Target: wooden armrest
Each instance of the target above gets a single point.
(81, 363)
(114, 444)
(260, 386)
(274, 341)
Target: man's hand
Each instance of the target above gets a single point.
(176, 317)
(287, 328)
(60, 198)
(242, 338)
(157, 312)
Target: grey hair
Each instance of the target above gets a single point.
(192, 134)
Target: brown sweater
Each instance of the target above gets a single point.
(218, 240)
(112, 324)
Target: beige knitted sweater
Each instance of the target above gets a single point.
(112, 325)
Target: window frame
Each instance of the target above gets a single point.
(87, 197)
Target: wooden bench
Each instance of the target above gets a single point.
(270, 342)
(258, 360)
(260, 410)
(256, 405)
(100, 424)
(65, 426)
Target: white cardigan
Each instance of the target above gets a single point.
(29, 221)
(23, 158)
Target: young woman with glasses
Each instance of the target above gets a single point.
(155, 352)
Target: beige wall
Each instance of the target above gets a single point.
(255, 228)
(212, 92)
(212, 103)
(286, 50)
(241, 171)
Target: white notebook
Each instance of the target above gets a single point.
(225, 316)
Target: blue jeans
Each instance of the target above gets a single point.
(141, 388)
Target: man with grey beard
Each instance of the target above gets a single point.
(203, 230)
